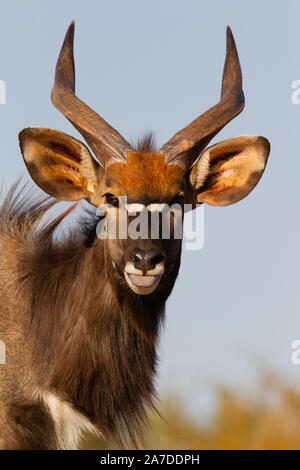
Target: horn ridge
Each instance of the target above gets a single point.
(185, 146)
(105, 141)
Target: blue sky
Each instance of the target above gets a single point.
(157, 65)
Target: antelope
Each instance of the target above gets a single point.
(80, 315)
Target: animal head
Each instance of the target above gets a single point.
(183, 171)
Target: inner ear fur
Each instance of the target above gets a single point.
(60, 164)
(228, 171)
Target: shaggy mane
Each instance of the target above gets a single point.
(98, 343)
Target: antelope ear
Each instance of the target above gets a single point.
(61, 165)
(228, 171)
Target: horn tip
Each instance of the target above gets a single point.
(229, 35)
(230, 42)
(69, 37)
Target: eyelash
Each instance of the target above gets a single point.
(112, 200)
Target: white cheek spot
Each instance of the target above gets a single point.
(155, 207)
(90, 187)
(133, 208)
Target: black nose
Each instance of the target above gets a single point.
(145, 260)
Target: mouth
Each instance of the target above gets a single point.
(143, 284)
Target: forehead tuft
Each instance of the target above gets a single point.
(144, 177)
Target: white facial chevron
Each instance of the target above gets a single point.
(133, 208)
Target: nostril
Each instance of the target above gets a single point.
(136, 256)
(156, 259)
(145, 259)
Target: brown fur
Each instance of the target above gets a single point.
(81, 344)
(161, 182)
(74, 331)
(73, 328)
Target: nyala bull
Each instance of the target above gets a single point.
(80, 314)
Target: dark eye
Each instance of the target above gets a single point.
(112, 200)
(178, 199)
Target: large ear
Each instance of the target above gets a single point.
(228, 171)
(61, 165)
